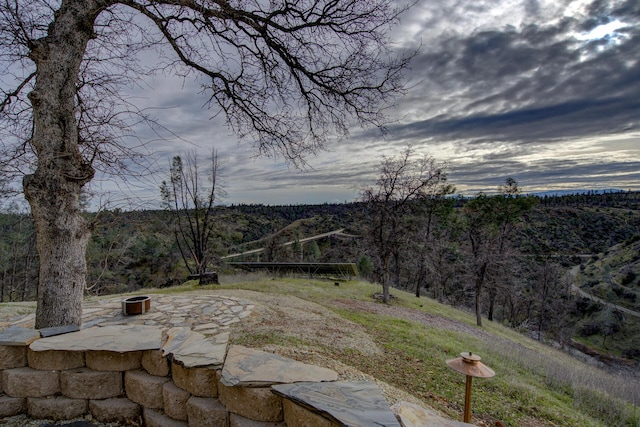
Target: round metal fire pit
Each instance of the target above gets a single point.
(136, 305)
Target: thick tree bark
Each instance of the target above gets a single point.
(53, 190)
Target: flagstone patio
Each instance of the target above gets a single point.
(173, 366)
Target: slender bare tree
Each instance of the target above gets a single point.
(403, 182)
(191, 196)
(287, 75)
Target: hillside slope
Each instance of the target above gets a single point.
(406, 344)
(610, 322)
(614, 274)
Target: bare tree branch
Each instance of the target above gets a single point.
(8, 96)
(191, 202)
(288, 76)
(402, 184)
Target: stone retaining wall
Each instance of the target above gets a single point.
(135, 374)
(127, 387)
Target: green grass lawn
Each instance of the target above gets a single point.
(535, 384)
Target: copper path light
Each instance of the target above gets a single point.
(470, 365)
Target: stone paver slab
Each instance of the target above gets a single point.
(412, 415)
(58, 330)
(120, 339)
(354, 404)
(247, 367)
(17, 336)
(193, 349)
(93, 322)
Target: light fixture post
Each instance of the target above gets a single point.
(470, 365)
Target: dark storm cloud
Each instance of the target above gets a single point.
(499, 89)
(581, 117)
(532, 83)
(547, 174)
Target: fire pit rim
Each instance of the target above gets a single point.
(136, 305)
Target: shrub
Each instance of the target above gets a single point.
(589, 329)
(365, 267)
(632, 353)
(592, 283)
(632, 239)
(587, 307)
(628, 278)
(630, 295)
(599, 405)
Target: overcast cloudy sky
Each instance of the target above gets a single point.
(546, 92)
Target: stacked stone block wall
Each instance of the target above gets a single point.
(128, 387)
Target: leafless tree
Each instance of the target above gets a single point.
(489, 223)
(191, 197)
(435, 246)
(287, 76)
(550, 298)
(403, 181)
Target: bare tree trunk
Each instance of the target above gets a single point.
(478, 309)
(493, 292)
(396, 267)
(53, 190)
(479, 286)
(386, 296)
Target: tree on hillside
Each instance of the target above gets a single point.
(436, 246)
(313, 251)
(403, 181)
(109, 247)
(365, 268)
(549, 299)
(191, 195)
(275, 250)
(489, 223)
(609, 321)
(297, 254)
(288, 76)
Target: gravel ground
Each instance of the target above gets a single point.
(301, 320)
(310, 322)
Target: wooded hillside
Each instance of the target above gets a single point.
(528, 288)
